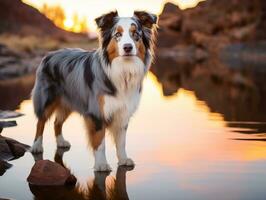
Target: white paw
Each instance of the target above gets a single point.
(36, 148)
(61, 142)
(102, 167)
(126, 162)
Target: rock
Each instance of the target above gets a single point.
(26, 18)
(48, 173)
(201, 54)
(5, 152)
(239, 80)
(170, 8)
(261, 26)
(10, 149)
(5, 114)
(15, 64)
(171, 17)
(211, 25)
(4, 166)
(18, 149)
(213, 44)
(183, 54)
(5, 124)
(243, 32)
(4, 51)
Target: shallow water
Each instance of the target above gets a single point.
(182, 150)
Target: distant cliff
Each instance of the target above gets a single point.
(213, 24)
(20, 18)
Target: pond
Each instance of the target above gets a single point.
(186, 145)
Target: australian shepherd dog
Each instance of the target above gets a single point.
(103, 85)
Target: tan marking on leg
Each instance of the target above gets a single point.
(101, 104)
(50, 109)
(95, 137)
(41, 121)
(62, 113)
(40, 128)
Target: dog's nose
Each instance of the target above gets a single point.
(128, 47)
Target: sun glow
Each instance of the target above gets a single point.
(68, 23)
(79, 15)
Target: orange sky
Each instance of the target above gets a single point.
(92, 9)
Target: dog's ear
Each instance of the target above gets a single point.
(106, 20)
(146, 19)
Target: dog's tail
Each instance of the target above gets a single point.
(45, 89)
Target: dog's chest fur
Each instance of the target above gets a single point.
(127, 77)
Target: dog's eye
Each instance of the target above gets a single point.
(118, 34)
(136, 36)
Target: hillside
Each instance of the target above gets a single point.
(212, 24)
(20, 18)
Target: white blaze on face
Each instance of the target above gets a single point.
(126, 37)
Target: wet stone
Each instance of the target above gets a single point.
(4, 166)
(48, 173)
(5, 114)
(5, 124)
(5, 152)
(10, 149)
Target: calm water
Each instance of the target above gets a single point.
(183, 148)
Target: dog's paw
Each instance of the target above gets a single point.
(102, 167)
(36, 149)
(126, 162)
(62, 143)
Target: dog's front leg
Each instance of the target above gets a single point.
(119, 134)
(96, 135)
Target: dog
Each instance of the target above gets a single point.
(103, 85)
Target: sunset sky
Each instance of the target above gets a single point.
(91, 9)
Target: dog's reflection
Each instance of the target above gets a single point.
(98, 190)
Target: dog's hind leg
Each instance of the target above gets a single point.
(97, 142)
(37, 145)
(62, 114)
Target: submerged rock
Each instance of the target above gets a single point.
(5, 152)
(18, 149)
(48, 173)
(5, 114)
(3, 167)
(11, 149)
(5, 124)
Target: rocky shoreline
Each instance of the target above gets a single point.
(217, 50)
(10, 149)
(14, 64)
(212, 25)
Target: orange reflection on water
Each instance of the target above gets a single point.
(172, 130)
(172, 139)
(179, 130)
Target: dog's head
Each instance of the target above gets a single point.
(127, 37)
